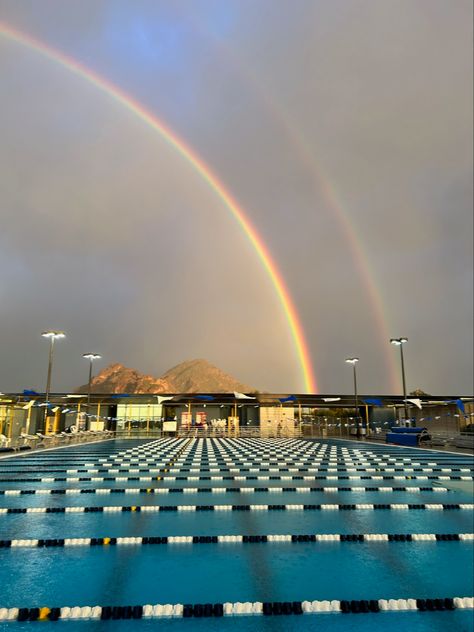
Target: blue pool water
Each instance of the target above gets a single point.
(129, 574)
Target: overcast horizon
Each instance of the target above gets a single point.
(343, 130)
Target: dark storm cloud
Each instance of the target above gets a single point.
(107, 233)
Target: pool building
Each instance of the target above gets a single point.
(212, 414)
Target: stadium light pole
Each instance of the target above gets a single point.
(354, 362)
(399, 342)
(52, 335)
(91, 357)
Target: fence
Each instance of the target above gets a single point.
(39, 440)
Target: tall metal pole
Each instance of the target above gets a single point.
(88, 418)
(404, 383)
(91, 357)
(50, 370)
(52, 335)
(399, 342)
(354, 361)
(356, 399)
(89, 386)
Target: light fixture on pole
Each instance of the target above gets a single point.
(53, 336)
(399, 342)
(91, 357)
(354, 362)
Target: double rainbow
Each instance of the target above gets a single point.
(200, 167)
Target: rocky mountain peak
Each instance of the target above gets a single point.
(191, 376)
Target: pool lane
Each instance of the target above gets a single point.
(252, 572)
(234, 498)
(238, 523)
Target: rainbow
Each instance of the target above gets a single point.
(322, 184)
(355, 246)
(200, 167)
(364, 270)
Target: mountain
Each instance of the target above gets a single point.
(193, 376)
(117, 378)
(200, 376)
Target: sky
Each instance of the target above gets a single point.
(342, 128)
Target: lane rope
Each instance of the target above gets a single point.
(274, 608)
(229, 470)
(103, 479)
(213, 490)
(233, 539)
(281, 507)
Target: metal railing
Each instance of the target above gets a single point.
(39, 440)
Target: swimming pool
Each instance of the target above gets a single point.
(210, 533)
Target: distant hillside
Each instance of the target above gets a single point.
(193, 376)
(196, 376)
(117, 378)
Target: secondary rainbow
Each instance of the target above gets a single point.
(128, 102)
(322, 184)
